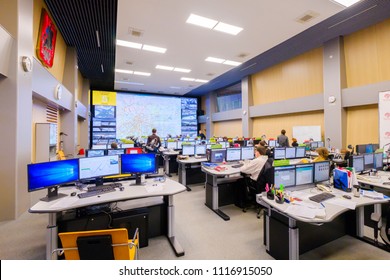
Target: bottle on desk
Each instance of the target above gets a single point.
(356, 191)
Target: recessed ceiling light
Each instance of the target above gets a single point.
(129, 83)
(232, 63)
(128, 44)
(141, 73)
(346, 3)
(175, 87)
(162, 67)
(227, 28)
(183, 70)
(214, 59)
(201, 21)
(201, 81)
(154, 49)
(124, 71)
(187, 79)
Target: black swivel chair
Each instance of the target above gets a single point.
(266, 175)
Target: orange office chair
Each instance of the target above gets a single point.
(108, 244)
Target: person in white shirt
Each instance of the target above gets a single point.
(254, 166)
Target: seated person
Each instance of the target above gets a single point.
(114, 145)
(323, 154)
(294, 142)
(254, 166)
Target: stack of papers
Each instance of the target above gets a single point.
(372, 194)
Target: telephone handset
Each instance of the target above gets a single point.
(323, 188)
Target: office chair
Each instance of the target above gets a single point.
(266, 175)
(382, 228)
(109, 244)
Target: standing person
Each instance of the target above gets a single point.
(283, 139)
(202, 135)
(153, 142)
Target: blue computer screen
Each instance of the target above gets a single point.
(98, 166)
(378, 160)
(217, 155)
(48, 174)
(284, 175)
(138, 163)
(304, 174)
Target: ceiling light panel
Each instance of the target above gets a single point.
(231, 62)
(141, 73)
(128, 44)
(124, 71)
(187, 79)
(129, 83)
(346, 3)
(227, 28)
(154, 49)
(162, 67)
(201, 21)
(182, 70)
(214, 59)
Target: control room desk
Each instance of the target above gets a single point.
(170, 166)
(220, 187)
(190, 171)
(54, 207)
(287, 236)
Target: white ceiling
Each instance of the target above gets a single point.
(265, 23)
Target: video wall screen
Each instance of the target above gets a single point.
(137, 114)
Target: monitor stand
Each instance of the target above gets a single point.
(138, 181)
(52, 194)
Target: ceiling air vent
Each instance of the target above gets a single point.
(309, 15)
(135, 32)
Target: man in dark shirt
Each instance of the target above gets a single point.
(153, 142)
(283, 139)
(202, 135)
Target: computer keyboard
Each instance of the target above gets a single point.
(321, 197)
(237, 165)
(96, 192)
(110, 185)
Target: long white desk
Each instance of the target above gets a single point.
(214, 179)
(131, 192)
(333, 209)
(190, 163)
(167, 156)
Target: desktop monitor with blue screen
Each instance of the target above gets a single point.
(188, 150)
(233, 154)
(138, 164)
(172, 145)
(368, 161)
(112, 152)
(217, 155)
(290, 152)
(357, 162)
(321, 171)
(369, 148)
(98, 167)
(284, 175)
(300, 152)
(95, 153)
(179, 145)
(279, 153)
(50, 175)
(247, 153)
(378, 161)
(272, 143)
(304, 174)
(200, 149)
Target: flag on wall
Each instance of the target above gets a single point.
(384, 118)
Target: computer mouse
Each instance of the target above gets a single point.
(73, 194)
(347, 196)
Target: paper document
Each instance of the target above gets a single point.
(372, 194)
(305, 212)
(342, 202)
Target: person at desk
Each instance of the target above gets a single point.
(202, 135)
(323, 154)
(114, 145)
(264, 144)
(254, 166)
(283, 139)
(294, 142)
(153, 142)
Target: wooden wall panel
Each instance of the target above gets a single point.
(272, 125)
(362, 125)
(297, 77)
(228, 128)
(367, 55)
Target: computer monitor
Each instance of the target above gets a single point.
(139, 164)
(51, 175)
(272, 143)
(172, 145)
(98, 167)
(320, 144)
(368, 161)
(112, 152)
(217, 155)
(179, 145)
(247, 153)
(188, 150)
(208, 146)
(300, 152)
(369, 148)
(200, 149)
(95, 153)
(357, 162)
(279, 153)
(313, 145)
(360, 149)
(304, 174)
(378, 161)
(233, 154)
(321, 171)
(290, 152)
(284, 175)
